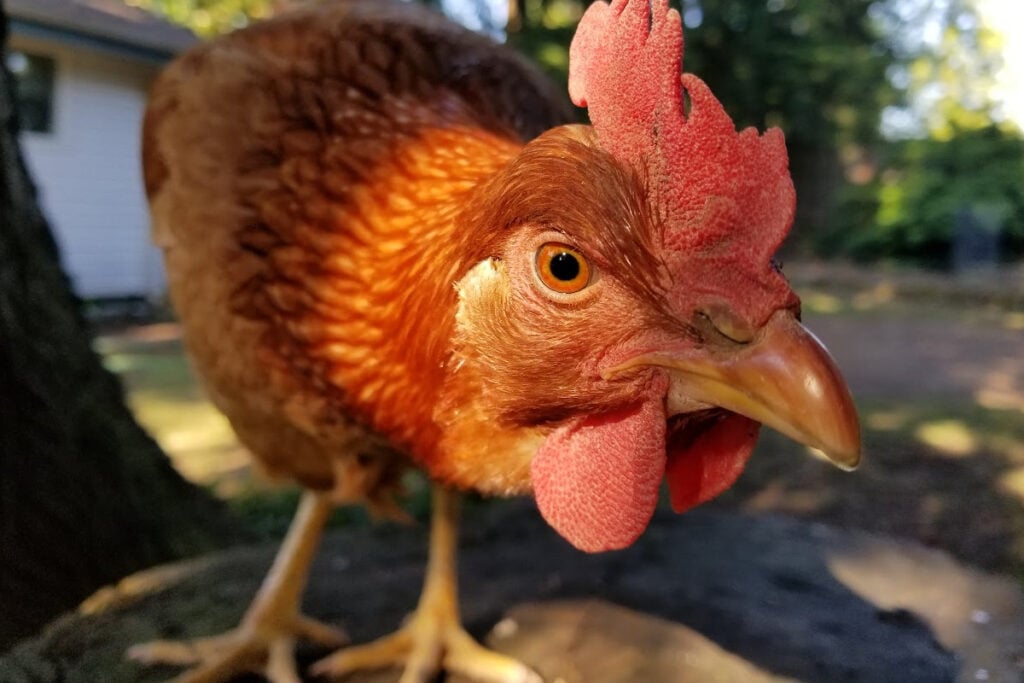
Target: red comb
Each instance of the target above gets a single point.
(710, 184)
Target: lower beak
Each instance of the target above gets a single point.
(784, 379)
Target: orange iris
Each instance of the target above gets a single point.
(562, 269)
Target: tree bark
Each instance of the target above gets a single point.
(86, 496)
(817, 175)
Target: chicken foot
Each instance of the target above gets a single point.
(432, 638)
(264, 641)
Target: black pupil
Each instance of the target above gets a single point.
(565, 266)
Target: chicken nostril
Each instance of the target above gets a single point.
(728, 323)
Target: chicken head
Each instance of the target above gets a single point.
(625, 322)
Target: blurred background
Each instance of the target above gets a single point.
(903, 120)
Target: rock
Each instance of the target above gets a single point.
(592, 641)
(708, 596)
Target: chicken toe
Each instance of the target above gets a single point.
(424, 647)
(223, 657)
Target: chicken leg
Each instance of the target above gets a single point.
(433, 638)
(264, 641)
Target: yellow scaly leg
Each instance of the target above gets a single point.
(433, 638)
(264, 642)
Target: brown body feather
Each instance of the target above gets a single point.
(307, 178)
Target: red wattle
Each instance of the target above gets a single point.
(596, 479)
(699, 468)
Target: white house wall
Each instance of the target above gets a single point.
(88, 171)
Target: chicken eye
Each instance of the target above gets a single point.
(562, 269)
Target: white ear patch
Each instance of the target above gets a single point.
(481, 276)
(483, 295)
(483, 454)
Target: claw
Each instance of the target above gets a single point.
(424, 647)
(247, 649)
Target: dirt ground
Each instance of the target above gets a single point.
(707, 597)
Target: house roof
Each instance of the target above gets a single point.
(105, 24)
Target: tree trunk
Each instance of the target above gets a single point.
(516, 16)
(86, 496)
(818, 178)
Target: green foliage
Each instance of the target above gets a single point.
(911, 194)
(815, 69)
(910, 209)
(210, 17)
(543, 30)
(951, 80)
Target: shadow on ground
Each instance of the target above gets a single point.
(782, 598)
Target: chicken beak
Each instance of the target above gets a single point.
(784, 378)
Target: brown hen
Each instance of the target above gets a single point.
(387, 249)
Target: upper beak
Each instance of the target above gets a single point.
(784, 378)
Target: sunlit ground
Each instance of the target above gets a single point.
(167, 400)
(937, 368)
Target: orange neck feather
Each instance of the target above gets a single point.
(385, 335)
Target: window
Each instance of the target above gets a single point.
(33, 76)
